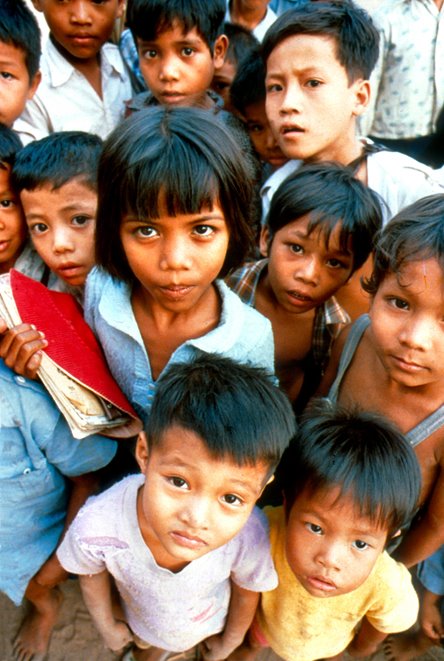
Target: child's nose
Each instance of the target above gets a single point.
(417, 333)
(175, 256)
(169, 69)
(62, 242)
(80, 12)
(308, 270)
(330, 556)
(196, 513)
(292, 99)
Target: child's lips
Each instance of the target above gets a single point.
(321, 583)
(187, 540)
(4, 244)
(287, 129)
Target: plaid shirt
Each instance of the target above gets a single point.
(329, 318)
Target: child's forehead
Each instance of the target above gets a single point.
(326, 230)
(323, 45)
(178, 30)
(11, 53)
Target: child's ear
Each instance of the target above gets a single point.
(142, 451)
(35, 82)
(362, 96)
(269, 481)
(264, 240)
(220, 51)
(120, 8)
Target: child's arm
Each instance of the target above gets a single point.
(20, 348)
(366, 640)
(243, 604)
(96, 591)
(427, 535)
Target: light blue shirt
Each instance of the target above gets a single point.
(279, 6)
(242, 334)
(37, 450)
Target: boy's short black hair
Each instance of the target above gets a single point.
(331, 195)
(185, 157)
(235, 409)
(361, 453)
(241, 42)
(248, 85)
(9, 145)
(148, 18)
(57, 159)
(415, 233)
(19, 27)
(357, 39)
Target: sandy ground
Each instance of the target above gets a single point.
(75, 638)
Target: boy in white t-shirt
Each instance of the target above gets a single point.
(177, 540)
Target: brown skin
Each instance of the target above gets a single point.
(406, 408)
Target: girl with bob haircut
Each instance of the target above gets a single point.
(174, 216)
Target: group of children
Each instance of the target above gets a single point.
(219, 329)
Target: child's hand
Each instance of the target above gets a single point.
(117, 636)
(216, 648)
(20, 348)
(430, 616)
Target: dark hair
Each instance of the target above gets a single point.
(332, 196)
(248, 85)
(148, 18)
(241, 42)
(9, 145)
(361, 453)
(184, 156)
(57, 159)
(356, 37)
(19, 27)
(235, 409)
(416, 232)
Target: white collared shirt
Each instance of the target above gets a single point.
(261, 28)
(65, 100)
(408, 80)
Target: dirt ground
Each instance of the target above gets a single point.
(75, 638)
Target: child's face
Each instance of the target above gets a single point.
(12, 224)
(80, 27)
(330, 546)
(192, 503)
(222, 80)
(310, 103)
(407, 324)
(61, 223)
(262, 136)
(303, 270)
(178, 67)
(176, 258)
(15, 86)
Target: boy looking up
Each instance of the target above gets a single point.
(84, 80)
(180, 46)
(351, 481)
(19, 59)
(319, 58)
(319, 232)
(187, 549)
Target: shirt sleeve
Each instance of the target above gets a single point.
(82, 550)
(396, 605)
(253, 568)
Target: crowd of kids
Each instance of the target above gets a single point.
(265, 282)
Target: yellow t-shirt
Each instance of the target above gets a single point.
(300, 627)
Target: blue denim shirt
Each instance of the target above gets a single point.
(243, 334)
(37, 450)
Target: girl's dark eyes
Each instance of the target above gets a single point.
(203, 230)
(6, 204)
(296, 248)
(313, 527)
(80, 220)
